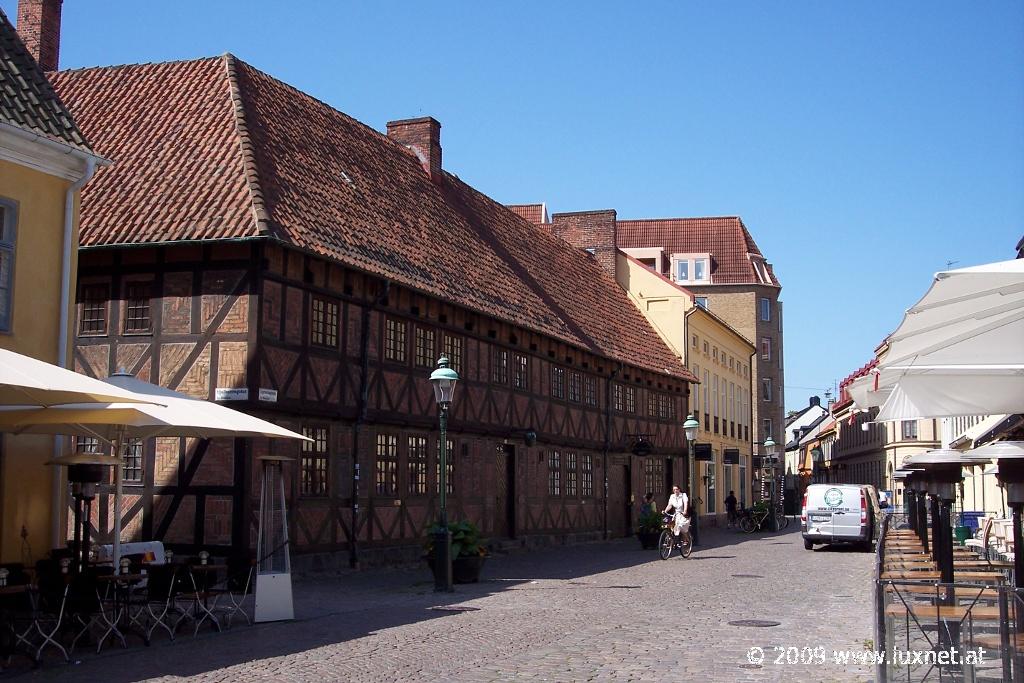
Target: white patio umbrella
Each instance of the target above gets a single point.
(958, 351)
(27, 381)
(172, 414)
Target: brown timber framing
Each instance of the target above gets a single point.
(357, 394)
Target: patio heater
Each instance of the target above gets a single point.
(909, 496)
(85, 472)
(1009, 459)
(273, 560)
(944, 470)
(919, 513)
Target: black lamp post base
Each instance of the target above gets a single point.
(443, 561)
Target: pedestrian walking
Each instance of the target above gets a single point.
(730, 508)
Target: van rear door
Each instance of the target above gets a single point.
(845, 505)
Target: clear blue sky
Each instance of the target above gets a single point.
(864, 144)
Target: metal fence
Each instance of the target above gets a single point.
(926, 630)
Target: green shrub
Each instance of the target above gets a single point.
(466, 540)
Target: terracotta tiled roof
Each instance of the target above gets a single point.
(726, 238)
(213, 149)
(27, 99)
(535, 213)
(844, 393)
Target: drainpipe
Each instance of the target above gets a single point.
(364, 398)
(62, 331)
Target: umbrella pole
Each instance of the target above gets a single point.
(118, 494)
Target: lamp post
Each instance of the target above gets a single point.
(443, 379)
(690, 428)
(769, 454)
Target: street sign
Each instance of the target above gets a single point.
(702, 451)
(731, 456)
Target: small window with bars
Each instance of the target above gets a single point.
(590, 391)
(132, 470)
(587, 475)
(630, 399)
(649, 480)
(521, 378)
(394, 340)
(426, 350)
(575, 387)
(554, 473)
(570, 475)
(499, 370)
(386, 472)
(558, 382)
(653, 404)
(659, 476)
(136, 308)
(93, 317)
(417, 465)
(323, 322)
(449, 460)
(313, 464)
(453, 349)
(618, 398)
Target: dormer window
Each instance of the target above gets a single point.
(692, 268)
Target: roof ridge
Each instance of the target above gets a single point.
(264, 226)
(679, 218)
(130, 65)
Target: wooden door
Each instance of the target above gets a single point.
(618, 500)
(501, 495)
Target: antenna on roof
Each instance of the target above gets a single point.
(949, 264)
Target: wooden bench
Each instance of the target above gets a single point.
(945, 612)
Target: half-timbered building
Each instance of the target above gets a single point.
(255, 246)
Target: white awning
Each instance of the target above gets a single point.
(958, 351)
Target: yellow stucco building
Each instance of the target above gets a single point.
(721, 358)
(44, 160)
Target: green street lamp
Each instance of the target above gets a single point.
(690, 428)
(769, 453)
(443, 379)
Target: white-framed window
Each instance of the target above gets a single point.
(766, 348)
(766, 309)
(701, 301)
(766, 388)
(909, 430)
(766, 427)
(8, 235)
(695, 268)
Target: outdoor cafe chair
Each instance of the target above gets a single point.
(39, 616)
(235, 588)
(201, 599)
(157, 601)
(93, 611)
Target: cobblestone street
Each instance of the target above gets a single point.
(604, 611)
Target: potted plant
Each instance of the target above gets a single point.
(649, 529)
(468, 554)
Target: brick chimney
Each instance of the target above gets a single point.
(422, 136)
(39, 28)
(593, 231)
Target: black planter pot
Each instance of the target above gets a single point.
(648, 539)
(464, 569)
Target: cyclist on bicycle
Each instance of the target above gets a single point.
(679, 502)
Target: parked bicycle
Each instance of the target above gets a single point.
(756, 519)
(668, 542)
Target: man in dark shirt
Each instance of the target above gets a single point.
(730, 507)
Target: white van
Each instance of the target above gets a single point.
(840, 513)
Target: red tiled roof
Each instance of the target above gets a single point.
(726, 238)
(214, 149)
(535, 213)
(27, 99)
(844, 393)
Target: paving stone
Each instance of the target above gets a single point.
(594, 612)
